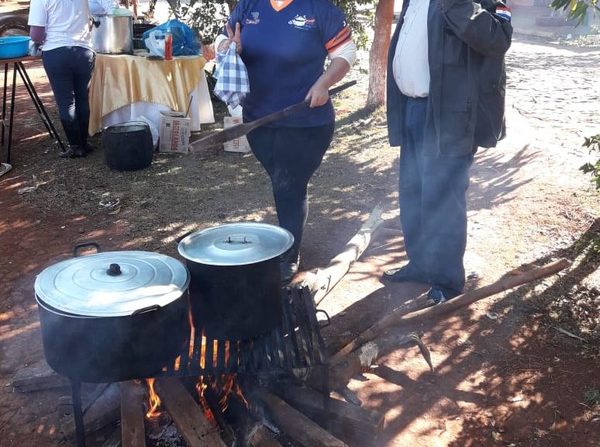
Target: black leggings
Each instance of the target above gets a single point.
(291, 155)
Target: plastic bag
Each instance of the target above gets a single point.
(155, 43)
(185, 40)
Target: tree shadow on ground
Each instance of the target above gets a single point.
(497, 383)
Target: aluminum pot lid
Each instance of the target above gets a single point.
(112, 284)
(236, 244)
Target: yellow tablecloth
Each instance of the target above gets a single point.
(119, 80)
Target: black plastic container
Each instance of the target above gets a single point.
(128, 146)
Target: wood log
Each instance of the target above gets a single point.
(104, 411)
(38, 377)
(227, 432)
(293, 423)
(398, 317)
(321, 282)
(352, 424)
(187, 415)
(133, 431)
(114, 439)
(261, 436)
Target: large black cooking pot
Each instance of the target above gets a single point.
(113, 316)
(128, 146)
(235, 287)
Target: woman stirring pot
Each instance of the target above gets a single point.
(284, 45)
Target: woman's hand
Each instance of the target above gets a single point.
(317, 95)
(233, 36)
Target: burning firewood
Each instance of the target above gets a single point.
(187, 415)
(399, 317)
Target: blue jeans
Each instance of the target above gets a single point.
(433, 204)
(69, 71)
(291, 155)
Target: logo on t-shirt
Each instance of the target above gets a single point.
(303, 22)
(254, 20)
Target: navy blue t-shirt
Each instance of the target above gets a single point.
(284, 51)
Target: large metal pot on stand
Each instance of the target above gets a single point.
(113, 316)
(235, 287)
(112, 34)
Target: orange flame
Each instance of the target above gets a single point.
(153, 400)
(200, 388)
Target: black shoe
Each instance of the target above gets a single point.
(407, 273)
(288, 270)
(88, 148)
(440, 295)
(73, 152)
(288, 266)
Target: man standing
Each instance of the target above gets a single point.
(445, 98)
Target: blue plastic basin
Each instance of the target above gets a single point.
(14, 46)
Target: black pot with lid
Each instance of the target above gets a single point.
(235, 287)
(113, 316)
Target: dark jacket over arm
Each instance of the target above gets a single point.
(463, 38)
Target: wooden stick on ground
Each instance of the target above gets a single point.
(350, 423)
(133, 433)
(399, 317)
(295, 424)
(321, 282)
(38, 377)
(104, 411)
(196, 430)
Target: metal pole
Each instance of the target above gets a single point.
(77, 412)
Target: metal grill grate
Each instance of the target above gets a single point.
(295, 343)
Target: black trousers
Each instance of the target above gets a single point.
(291, 155)
(69, 71)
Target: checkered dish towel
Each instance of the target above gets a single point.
(232, 77)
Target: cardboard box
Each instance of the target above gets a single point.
(175, 131)
(238, 144)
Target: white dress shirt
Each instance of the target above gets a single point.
(411, 65)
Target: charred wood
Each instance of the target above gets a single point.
(38, 377)
(352, 424)
(294, 424)
(104, 411)
(191, 422)
(133, 431)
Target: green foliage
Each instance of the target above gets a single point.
(207, 17)
(204, 17)
(593, 144)
(592, 397)
(576, 9)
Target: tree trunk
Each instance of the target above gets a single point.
(384, 15)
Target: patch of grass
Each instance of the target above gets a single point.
(592, 397)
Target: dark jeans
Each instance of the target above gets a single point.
(291, 155)
(69, 70)
(433, 204)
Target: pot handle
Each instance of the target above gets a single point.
(237, 239)
(78, 247)
(144, 310)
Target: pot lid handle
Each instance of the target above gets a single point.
(114, 270)
(237, 239)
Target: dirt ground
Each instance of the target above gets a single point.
(507, 372)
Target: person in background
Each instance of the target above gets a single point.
(62, 28)
(284, 45)
(445, 98)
